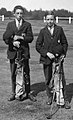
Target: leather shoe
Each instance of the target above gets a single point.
(12, 97)
(27, 96)
(67, 105)
(32, 98)
(23, 97)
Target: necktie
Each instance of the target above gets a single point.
(18, 25)
(51, 30)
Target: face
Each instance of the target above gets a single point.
(18, 14)
(50, 20)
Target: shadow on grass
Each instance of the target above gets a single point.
(69, 89)
(38, 87)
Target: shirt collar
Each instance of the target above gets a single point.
(51, 27)
(17, 22)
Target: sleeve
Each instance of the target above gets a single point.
(28, 38)
(40, 44)
(64, 41)
(8, 35)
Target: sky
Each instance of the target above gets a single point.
(38, 4)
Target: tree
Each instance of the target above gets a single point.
(8, 14)
(3, 11)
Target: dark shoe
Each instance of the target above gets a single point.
(49, 116)
(12, 97)
(67, 105)
(32, 98)
(23, 97)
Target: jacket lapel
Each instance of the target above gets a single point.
(23, 26)
(48, 32)
(55, 32)
(54, 36)
(14, 26)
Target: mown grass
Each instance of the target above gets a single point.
(27, 110)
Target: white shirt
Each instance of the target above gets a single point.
(18, 23)
(51, 29)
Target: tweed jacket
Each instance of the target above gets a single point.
(56, 43)
(12, 30)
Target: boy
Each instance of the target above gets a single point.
(19, 34)
(51, 43)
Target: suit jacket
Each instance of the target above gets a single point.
(12, 30)
(56, 44)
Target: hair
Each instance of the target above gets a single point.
(18, 7)
(50, 13)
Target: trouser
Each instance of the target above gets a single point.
(48, 75)
(26, 70)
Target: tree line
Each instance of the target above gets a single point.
(37, 14)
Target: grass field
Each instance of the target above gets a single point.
(27, 110)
